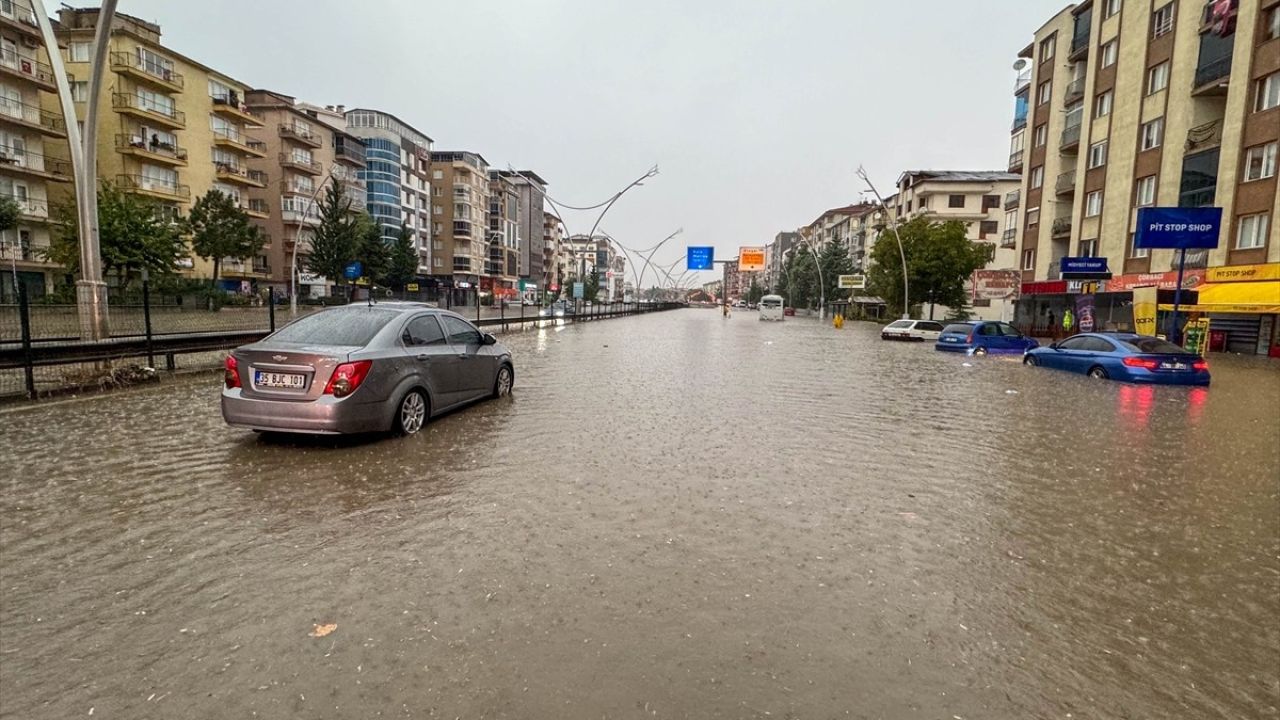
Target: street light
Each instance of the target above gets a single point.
(893, 223)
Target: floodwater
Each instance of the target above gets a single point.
(676, 516)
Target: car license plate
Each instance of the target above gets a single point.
(291, 381)
(1173, 366)
(951, 339)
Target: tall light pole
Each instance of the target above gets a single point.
(91, 291)
(822, 286)
(893, 221)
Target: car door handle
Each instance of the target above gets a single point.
(423, 356)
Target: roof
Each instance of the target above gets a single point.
(528, 174)
(919, 176)
(856, 209)
(348, 112)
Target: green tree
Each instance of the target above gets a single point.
(372, 249)
(835, 261)
(220, 229)
(10, 211)
(755, 292)
(336, 241)
(592, 287)
(402, 267)
(133, 236)
(798, 282)
(940, 259)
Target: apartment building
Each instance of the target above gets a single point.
(1137, 103)
(169, 128)
(397, 177)
(975, 198)
(26, 167)
(502, 270)
(776, 257)
(303, 154)
(459, 203)
(558, 269)
(533, 193)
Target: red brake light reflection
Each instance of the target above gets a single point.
(347, 377)
(231, 373)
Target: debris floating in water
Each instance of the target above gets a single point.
(322, 630)
(1010, 392)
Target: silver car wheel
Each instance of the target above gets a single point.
(503, 386)
(413, 411)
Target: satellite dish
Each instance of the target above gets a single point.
(1019, 64)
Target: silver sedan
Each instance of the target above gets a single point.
(363, 368)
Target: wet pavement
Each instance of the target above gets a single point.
(676, 516)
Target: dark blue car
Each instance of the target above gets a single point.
(1127, 357)
(982, 337)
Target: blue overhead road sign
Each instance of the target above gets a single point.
(701, 258)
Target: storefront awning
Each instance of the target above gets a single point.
(1259, 298)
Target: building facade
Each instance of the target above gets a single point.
(26, 168)
(503, 266)
(1143, 104)
(533, 193)
(169, 127)
(459, 205)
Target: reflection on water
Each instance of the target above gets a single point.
(675, 515)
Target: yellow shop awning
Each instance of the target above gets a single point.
(1262, 298)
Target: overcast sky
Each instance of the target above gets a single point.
(756, 112)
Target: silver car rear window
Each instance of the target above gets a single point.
(348, 326)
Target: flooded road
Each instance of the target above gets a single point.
(676, 516)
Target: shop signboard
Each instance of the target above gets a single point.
(750, 259)
(1084, 268)
(1165, 281)
(411, 287)
(701, 258)
(1144, 310)
(1178, 228)
(1197, 336)
(1045, 287)
(995, 284)
(1243, 273)
(579, 290)
(853, 282)
(353, 270)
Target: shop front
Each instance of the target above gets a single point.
(1059, 308)
(1242, 305)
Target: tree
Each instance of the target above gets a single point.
(592, 287)
(10, 211)
(798, 282)
(371, 249)
(220, 229)
(133, 235)
(336, 241)
(755, 292)
(940, 259)
(403, 265)
(835, 261)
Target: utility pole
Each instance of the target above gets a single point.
(91, 291)
(893, 220)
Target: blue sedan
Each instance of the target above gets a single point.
(1127, 357)
(982, 337)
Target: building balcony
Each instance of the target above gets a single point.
(1066, 183)
(130, 64)
(1015, 160)
(1212, 78)
(1022, 82)
(1009, 239)
(353, 154)
(1019, 123)
(461, 228)
(301, 164)
(14, 64)
(300, 213)
(1012, 199)
(239, 174)
(32, 117)
(1070, 138)
(1079, 44)
(1061, 228)
(462, 264)
(299, 134)
(162, 153)
(19, 161)
(258, 208)
(232, 267)
(154, 187)
(29, 208)
(1196, 197)
(256, 148)
(130, 104)
(231, 106)
(20, 16)
(292, 186)
(1203, 137)
(1075, 91)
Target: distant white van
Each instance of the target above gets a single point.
(771, 307)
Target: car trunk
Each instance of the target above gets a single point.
(1171, 362)
(287, 371)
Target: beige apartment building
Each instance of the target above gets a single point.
(459, 203)
(1141, 103)
(169, 127)
(502, 270)
(304, 153)
(28, 134)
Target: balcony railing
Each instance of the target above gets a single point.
(293, 185)
(27, 66)
(154, 147)
(301, 134)
(1061, 226)
(300, 163)
(1204, 136)
(20, 11)
(1009, 238)
(461, 228)
(1022, 82)
(1075, 91)
(130, 101)
(354, 153)
(1066, 182)
(21, 158)
(1079, 42)
(259, 206)
(163, 75)
(32, 115)
(143, 183)
(231, 104)
(462, 264)
(1210, 73)
(28, 207)
(1012, 199)
(1070, 136)
(1015, 160)
(1019, 123)
(1199, 197)
(258, 177)
(257, 146)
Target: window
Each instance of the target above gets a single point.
(1110, 7)
(1252, 232)
(158, 177)
(990, 202)
(1011, 219)
(1044, 92)
(460, 331)
(1162, 21)
(1037, 177)
(437, 210)
(954, 201)
(1273, 23)
(1152, 134)
(1102, 104)
(1029, 259)
(988, 227)
(1145, 194)
(1041, 135)
(437, 174)
(1098, 154)
(1158, 78)
(1046, 47)
(1109, 53)
(424, 331)
(302, 156)
(437, 228)
(437, 262)
(1089, 248)
(1074, 343)
(78, 51)
(1268, 92)
(155, 64)
(1093, 204)
(156, 102)
(1033, 216)
(1009, 331)
(1136, 252)
(80, 91)
(1260, 162)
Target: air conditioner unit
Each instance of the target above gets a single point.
(30, 41)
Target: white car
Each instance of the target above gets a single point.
(914, 330)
